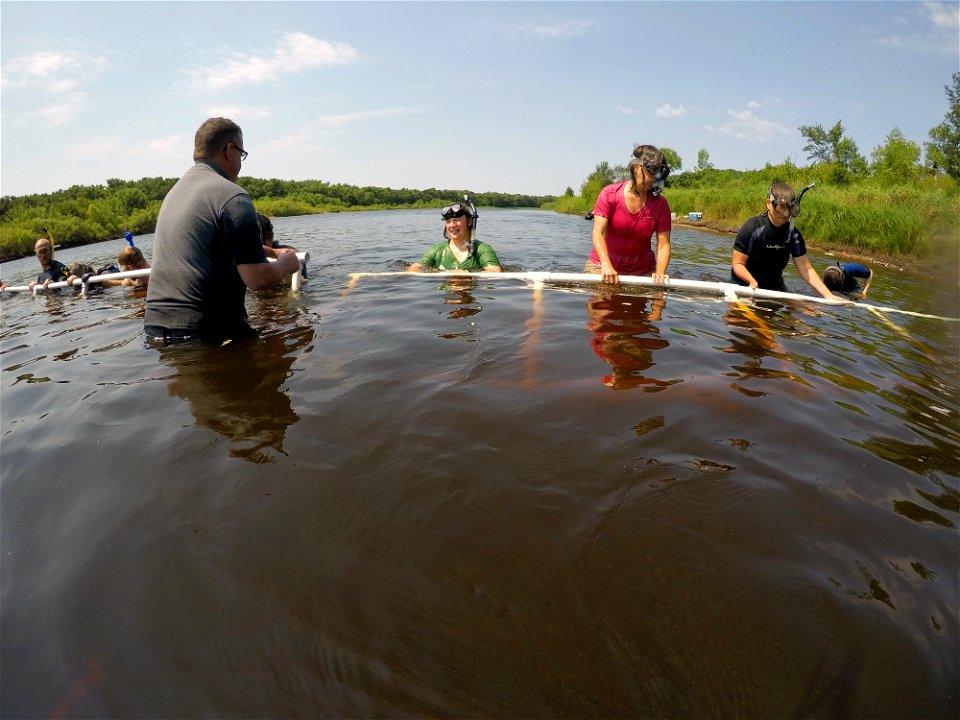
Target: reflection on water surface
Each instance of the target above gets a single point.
(472, 497)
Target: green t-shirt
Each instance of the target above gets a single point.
(441, 257)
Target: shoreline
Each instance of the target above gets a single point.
(900, 263)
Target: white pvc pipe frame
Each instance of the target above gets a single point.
(729, 291)
(295, 281)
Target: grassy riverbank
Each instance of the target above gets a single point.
(903, 223)
(910, 221)
(85, 214)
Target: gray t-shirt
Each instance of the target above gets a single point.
(206, 227)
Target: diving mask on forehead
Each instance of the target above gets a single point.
(453, 211)
(461, 209)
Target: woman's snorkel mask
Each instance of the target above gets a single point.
(659, 174)
(459, 210)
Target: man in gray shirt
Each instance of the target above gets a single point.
(207, 250)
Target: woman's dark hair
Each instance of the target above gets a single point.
(644, 155)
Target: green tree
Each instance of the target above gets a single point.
(943, 152)
(603, 173)
(897, 160)
(830, 146)
(601, 176)
(703, 161)
(672, 158)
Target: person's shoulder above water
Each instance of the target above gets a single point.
(753, 225)
(842, 277)
(460, 251)
(56, 271)
(856, 269)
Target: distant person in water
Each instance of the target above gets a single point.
(53, 270)
(766, 241)
(81, 270)
(625, 218)
(131, 258)
(272, 248)
(460, 251)
(842, 277)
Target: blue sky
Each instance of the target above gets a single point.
(517, 97)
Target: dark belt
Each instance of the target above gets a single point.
(169, 336)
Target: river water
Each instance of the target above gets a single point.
(421, 498)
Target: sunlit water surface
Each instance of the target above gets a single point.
(424, 498)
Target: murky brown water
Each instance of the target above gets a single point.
(423, 498)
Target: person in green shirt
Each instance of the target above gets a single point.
(460, 252)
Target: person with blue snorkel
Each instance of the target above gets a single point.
(625, 218)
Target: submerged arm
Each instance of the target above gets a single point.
(738, 264)
(663, 256)
(607, 272)
(810, 276)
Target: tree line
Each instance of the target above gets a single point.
(894, 202)
(91, 213)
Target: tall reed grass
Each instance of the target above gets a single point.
(918, 220)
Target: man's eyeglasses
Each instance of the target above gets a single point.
(243, 153)
(781, 204)
(454, 211)
(43, 251)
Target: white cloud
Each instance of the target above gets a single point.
(945, 17)
(746, 125)
(170, 146)
(935, 27)
(97, 146)
(570, 28)
(60, 87)
(335, 121)
(666, 111)
(310, 135)
(295, 52)
(62, 112)
(57, 66)
(61, 74)
(627, 110)
(240, 113)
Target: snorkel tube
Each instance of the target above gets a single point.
(795, 210)
(473, 221)
(659, 176)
